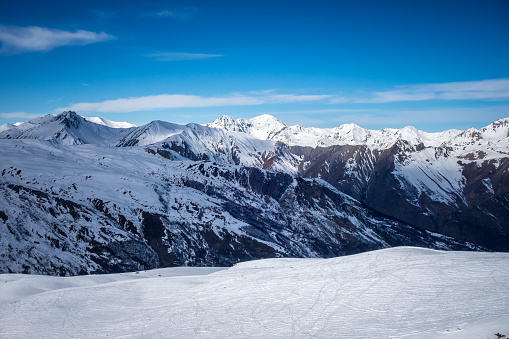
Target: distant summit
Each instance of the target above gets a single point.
(109, 123)
(67, 128)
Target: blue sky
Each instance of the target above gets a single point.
(431, 64)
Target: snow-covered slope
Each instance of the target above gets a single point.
(197, 142)
(393, 293)
(263, 127)
(109, 123)
(86, 208)
(150, 133)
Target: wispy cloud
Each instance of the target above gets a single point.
(20, 115)
(493, 89)
(292, 98)
(40, 39)
(180, 13)
(165, 13)
(325, 112)
(162, 101)
(104, 15)
(178, 56)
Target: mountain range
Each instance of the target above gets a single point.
(87, 195)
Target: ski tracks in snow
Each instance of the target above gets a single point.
(401, 292)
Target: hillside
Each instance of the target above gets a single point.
(399, 292)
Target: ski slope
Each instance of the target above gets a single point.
(392, 293)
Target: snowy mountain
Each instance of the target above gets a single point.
(94, 198)
(197, 142)
(87, 208)
(263, 127)
(392, 293)
(452, 182)
(67, 128)
(109, 123)
(267, 127)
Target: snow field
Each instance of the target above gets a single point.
(393, 293)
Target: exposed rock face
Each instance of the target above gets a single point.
(474, 213)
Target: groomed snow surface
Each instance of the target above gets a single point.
(393, 293)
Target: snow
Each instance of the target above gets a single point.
(439, 177)
(265, 126)
(5, 127)
(393, 293)
(109, 123)
(228, 123)
(154, 132)
(37, 121)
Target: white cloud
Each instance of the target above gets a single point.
(40, 39)
(21, 115)
(180, 13)
(327, 111)
(165, 13)
(178, 56)
(162, 101)
(491, 85)
(394, 96)
(493, 89)
(263, 92)
(289, 98)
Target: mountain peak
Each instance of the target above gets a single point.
(70, 118)
(262, 127)
(348, 127)
(230, 124)
(499, 128)
(265, 126)
(7, 126)
(68, 115)
(266, 119)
